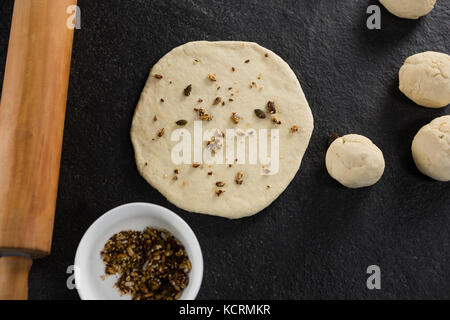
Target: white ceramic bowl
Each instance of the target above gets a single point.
(89, 266)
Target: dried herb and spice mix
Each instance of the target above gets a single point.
(152, 265)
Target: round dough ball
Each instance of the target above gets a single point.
(431, 149)
(355, 161)
(409, 9)
(425, 79)
(202, 81)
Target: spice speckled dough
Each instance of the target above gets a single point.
(425, 79)
(225, 82)
(355, 161)
(431, 149)
(409, 9)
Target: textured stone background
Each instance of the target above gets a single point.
(318, 238)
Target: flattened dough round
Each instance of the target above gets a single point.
(431, 149)
(409, 9)
(425, 79)
(247, 76)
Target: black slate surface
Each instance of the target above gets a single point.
(318, 238)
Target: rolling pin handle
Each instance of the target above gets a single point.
(14, 278)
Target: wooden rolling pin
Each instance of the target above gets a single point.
(32, 112)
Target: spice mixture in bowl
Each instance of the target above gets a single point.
(139, 251)
(152, 264)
